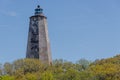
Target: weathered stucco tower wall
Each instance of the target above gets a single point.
(38, 46)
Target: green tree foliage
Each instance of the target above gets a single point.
(47, 76)
(0, 69)
(8, 68)
(32, 69)
(31, 76)
(6, 77)
(106, 69)
(83, 63)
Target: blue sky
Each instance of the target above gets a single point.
(78, 29)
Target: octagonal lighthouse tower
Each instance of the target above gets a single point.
(38, 46)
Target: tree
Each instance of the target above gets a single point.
(106, 69)
(6, 77)
(28, 65)
(84, 63)
(47, 76)
(32, 69)
(1, 69)
(31, 76)
(8, 68)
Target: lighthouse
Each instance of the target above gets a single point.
(38, 45)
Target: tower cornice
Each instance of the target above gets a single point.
(42, 16)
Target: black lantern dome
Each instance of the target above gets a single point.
(38, 10)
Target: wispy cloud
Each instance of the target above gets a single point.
(12, 13)
(9, 13)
